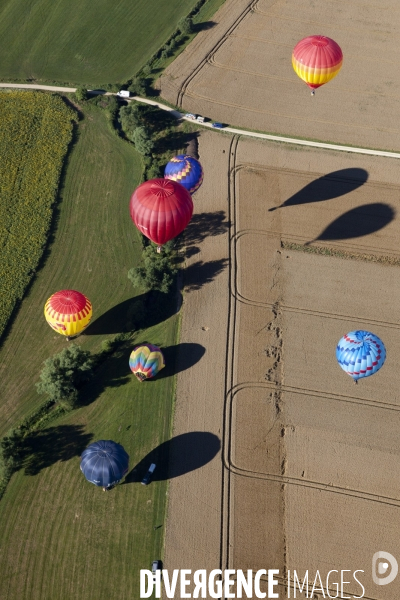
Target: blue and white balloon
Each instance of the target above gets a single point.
(360, 353)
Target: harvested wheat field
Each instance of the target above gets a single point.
(240, 72)
(302, 248)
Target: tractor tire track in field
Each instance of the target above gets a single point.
(184, 85)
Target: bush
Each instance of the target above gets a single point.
(81, 94)
(138, 86)
(185, 25)
(146, 69)
(11, 446)
(154, 171)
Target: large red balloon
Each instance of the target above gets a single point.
(161, 209)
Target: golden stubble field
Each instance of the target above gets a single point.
(309, 470)
(239, 71)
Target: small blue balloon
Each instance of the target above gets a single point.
(360, 353)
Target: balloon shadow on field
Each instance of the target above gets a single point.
(359, 221)
(138, 312)
(204, 26)
(180, 455)
(43, 448)
(332, 185)
(180, 358)
(201, 273)
(204, 225)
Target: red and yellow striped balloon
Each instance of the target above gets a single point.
(316, 60)
(68, 312)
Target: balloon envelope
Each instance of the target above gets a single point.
(68, 312)
(146, 361)
(104, 463)
(161, 209)
(360, 354)
(316, 60)
(186, 170)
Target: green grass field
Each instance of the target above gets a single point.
(83, 42)
(62, 537)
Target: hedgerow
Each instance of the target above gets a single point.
(36, 129)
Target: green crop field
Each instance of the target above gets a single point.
(62, 537)
(35, 133)
(83, 42)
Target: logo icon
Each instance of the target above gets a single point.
(384, 568)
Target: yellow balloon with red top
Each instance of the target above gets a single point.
(317, 59)
(68, 312)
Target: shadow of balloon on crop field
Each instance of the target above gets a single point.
(204, 26)
(176, 457)
(179, 358)
(201, 273)
(43, 448)
(138, 312)
(357, 222)
(332, 185)
(191, 251)
(204, 225)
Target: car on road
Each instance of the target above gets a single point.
(217, 125)
(146, 479)
(190, 116)
(200, 119)
(123, 94)
(156, 565)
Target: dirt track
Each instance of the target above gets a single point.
(240, 72)
(311, 462)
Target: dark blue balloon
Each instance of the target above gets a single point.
(104, 463)
(186, 170)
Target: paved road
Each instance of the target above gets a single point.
(179, 115)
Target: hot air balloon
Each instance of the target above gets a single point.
(360, 354)
(104, 463)
(161, 209)
(317, 59)
(186, 170)
(146, 361)
(68, 312)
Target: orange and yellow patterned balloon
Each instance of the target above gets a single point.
(316, 60)
(68, 312)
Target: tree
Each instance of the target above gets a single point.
(11, 446)
(64, 373)
(186, 25)
(141, 138)
(146, 69)
(154, 171)
(157, 271)
(81, 94)
(138, 86)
